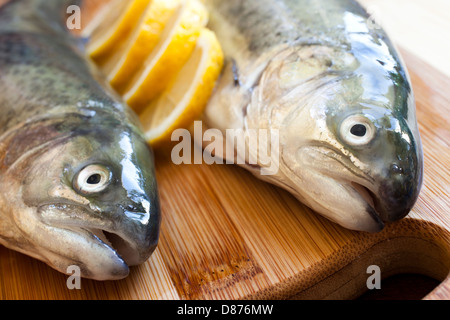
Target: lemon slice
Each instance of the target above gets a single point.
(112, 26)
(186, 97)
(177, 43)
(121, 68)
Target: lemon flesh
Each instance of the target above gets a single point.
(170, 54)
(124, 64)
(113, 26)
(186, 97)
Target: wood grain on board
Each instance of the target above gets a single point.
(227, 235)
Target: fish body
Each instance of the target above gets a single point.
(329, 82)
(77, 181)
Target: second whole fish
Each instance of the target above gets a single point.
(330, 81)
(77, 180)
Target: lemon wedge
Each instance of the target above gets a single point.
(187, 95)
(112, 26)
(124, 64)
(177, 43)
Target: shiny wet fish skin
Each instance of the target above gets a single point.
(330, 80)
(77, 180)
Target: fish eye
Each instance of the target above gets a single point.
(91, 179)
(357, 130)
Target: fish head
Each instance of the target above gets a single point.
(349, 142)
(384, 145)
(90, 199)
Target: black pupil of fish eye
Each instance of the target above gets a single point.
(94, 179)
(358, 130)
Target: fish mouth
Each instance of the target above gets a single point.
(124, 250)
(372, 201)
(365, 193)
(104, 246)
(356, 199)
(337, 189)
(83, 238)
(390, 205)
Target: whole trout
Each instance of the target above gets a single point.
(327, 79)
(77, 182)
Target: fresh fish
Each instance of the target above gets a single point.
(77, 181)
(327, 78)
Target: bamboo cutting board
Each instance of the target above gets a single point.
(227, 235)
